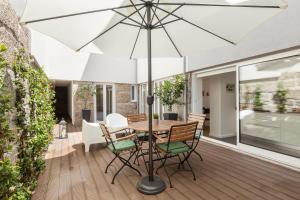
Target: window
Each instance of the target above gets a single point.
(270, 105)
(133, 93)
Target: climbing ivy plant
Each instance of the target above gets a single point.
(34, 105)
(34, 122)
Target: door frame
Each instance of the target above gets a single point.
(197, 96)
(104, 100)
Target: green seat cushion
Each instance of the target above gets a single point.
(142, 134)
(121, 146)
(174, 147)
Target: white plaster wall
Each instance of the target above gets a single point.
(161, 68)
(215, 103)
(280, 32)
(228, 106)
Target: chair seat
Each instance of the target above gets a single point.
(174, 147)
(121, 146)
(142, 134)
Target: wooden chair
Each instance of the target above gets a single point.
(141, 135)
(200, 118)
(176, 145)
(118, 146)
(136, 118)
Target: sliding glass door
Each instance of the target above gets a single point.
(270, 105)
(104, 101)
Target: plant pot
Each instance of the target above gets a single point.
(86, 115)
(155, 121)
(170, 116)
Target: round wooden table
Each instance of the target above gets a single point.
(162, 125)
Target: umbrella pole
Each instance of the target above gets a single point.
(150, 184)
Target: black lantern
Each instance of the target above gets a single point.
(63, 129)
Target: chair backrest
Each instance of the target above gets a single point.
(196, 117)
(183, 132)
(116, 120)
(105, 132)
(136, 118)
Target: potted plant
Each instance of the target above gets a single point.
(280, 98)
(85, 92)
(169, 93)
(257, 103)
(155, 118)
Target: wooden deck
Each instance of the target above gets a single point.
(224, 174)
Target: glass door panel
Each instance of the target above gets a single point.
(109, 100)
(99, 103)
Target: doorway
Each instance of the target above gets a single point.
(61, 102)
(218, 93)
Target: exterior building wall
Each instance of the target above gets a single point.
(124, 105)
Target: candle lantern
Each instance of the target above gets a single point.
(63, 129)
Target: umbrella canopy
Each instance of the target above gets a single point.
(181, 28)
(138, 28)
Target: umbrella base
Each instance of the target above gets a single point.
(151, 187)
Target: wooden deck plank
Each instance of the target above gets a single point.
(53, 184)
(224, 174)
(263, 176)
(78, 190)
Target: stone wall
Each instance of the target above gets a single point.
(12, 34)
(123, 104)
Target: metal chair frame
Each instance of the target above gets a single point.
(126, 162)
(177, 133)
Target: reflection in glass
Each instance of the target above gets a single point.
(270, 105)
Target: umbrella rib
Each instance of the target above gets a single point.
(170, 13)
(169, 22)
(134, 25)
(167, 33)
(134, 5)
(102, 33)
(218, 5)
(154, 11)
(76, 14)
(137, 37)
(139, 24)
(197, 26)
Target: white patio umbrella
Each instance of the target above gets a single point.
(149, 28)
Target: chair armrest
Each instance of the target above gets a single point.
(126, 137)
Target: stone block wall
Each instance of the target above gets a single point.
(123, 104)
(12, 34)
